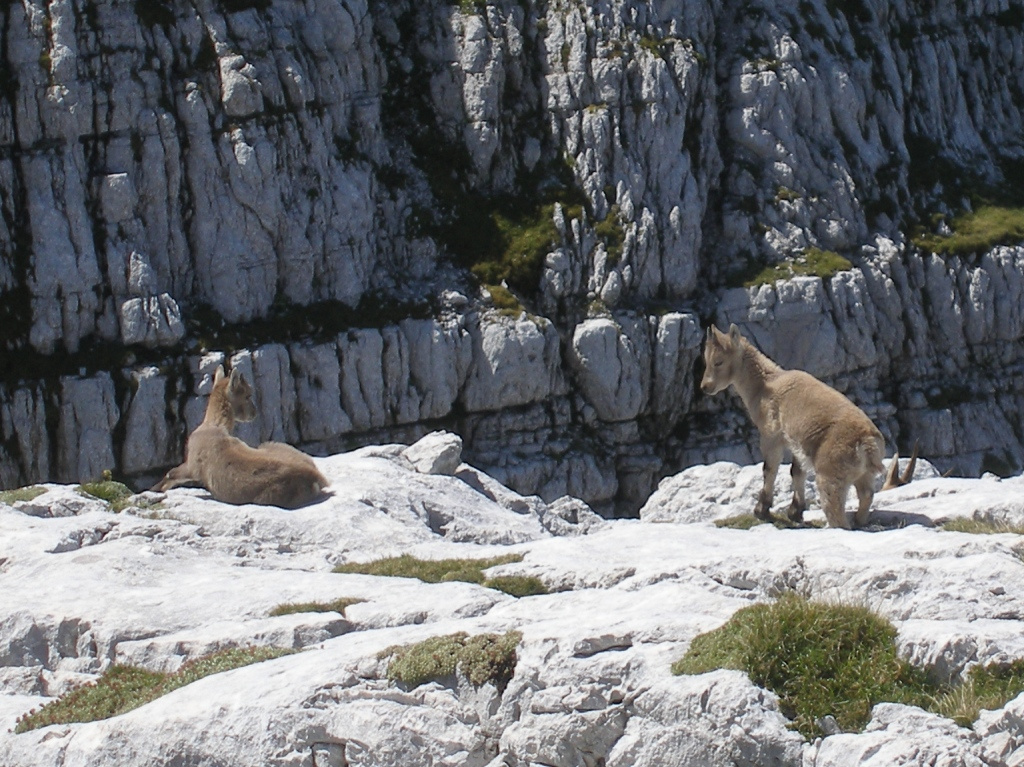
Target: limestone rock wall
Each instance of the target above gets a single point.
(178, 176)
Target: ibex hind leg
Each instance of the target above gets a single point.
(865, 494)
(799, 503)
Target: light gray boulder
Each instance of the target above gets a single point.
(515, 362)
(902, 735)
(610, 360)
(437, 453)
(88, 413)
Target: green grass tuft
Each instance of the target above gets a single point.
(818, 658)
(334, 606)
(440, 570)
(123, 688)
(813, 262)
(519, 241)
(504, 301)
(740, 522)
(517, 585)
(114, 493)
(11, 497)
(980, 526)
(609, 230)
(986, 687)
(977, 231)
(748, 521)
(827, 659)
(481, 659)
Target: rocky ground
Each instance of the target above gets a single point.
(84, 587)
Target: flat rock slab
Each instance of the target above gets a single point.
(158, 584)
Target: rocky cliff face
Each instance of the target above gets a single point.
(301, 186)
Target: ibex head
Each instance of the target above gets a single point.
(237, 393)
(893, 478)
(722, 357)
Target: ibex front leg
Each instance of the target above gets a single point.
(799, 504)
(771, 448)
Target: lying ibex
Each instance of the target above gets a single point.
(791, 408)
(274, 473)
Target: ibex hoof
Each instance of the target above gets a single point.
(795, 513)
(762, 512)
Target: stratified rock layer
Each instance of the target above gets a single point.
(258, 179)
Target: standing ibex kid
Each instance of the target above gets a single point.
(793, 409)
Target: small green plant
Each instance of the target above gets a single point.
(747, 521)
(609, 231)
(813, 262)
(977, 231)
(114, 493)
(986, 687)
(334, 606)
(818, 658)
(441, 570)
(482, 658)
(11, 497)
(981, 526)
(517, 585)
(123, 688)
(519, 240)
(504, 301)
(740, 522)
(652, 45)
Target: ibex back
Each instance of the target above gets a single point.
(274, 473)
(791, 408)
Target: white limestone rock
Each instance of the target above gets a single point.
(514, 362)
(88, 413)
(902, 735)
(437, 453)
(152, 321)
(609, 358)
(711, 719)
(148, 442)
(592, 681)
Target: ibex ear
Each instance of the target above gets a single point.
(734, 333)
(219, 375)
(236, 376)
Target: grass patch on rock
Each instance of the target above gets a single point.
(986, 687)
(981, 526)
(114, 493)
(820, 659)
(514, 240)
(481, 659)
(442, 570)
(748, 521)
(836, 660)
(124, 688)
(812, 262)
(740, 522)
(334, 606)
(11, 497)
(977, 231)
(505, 302)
